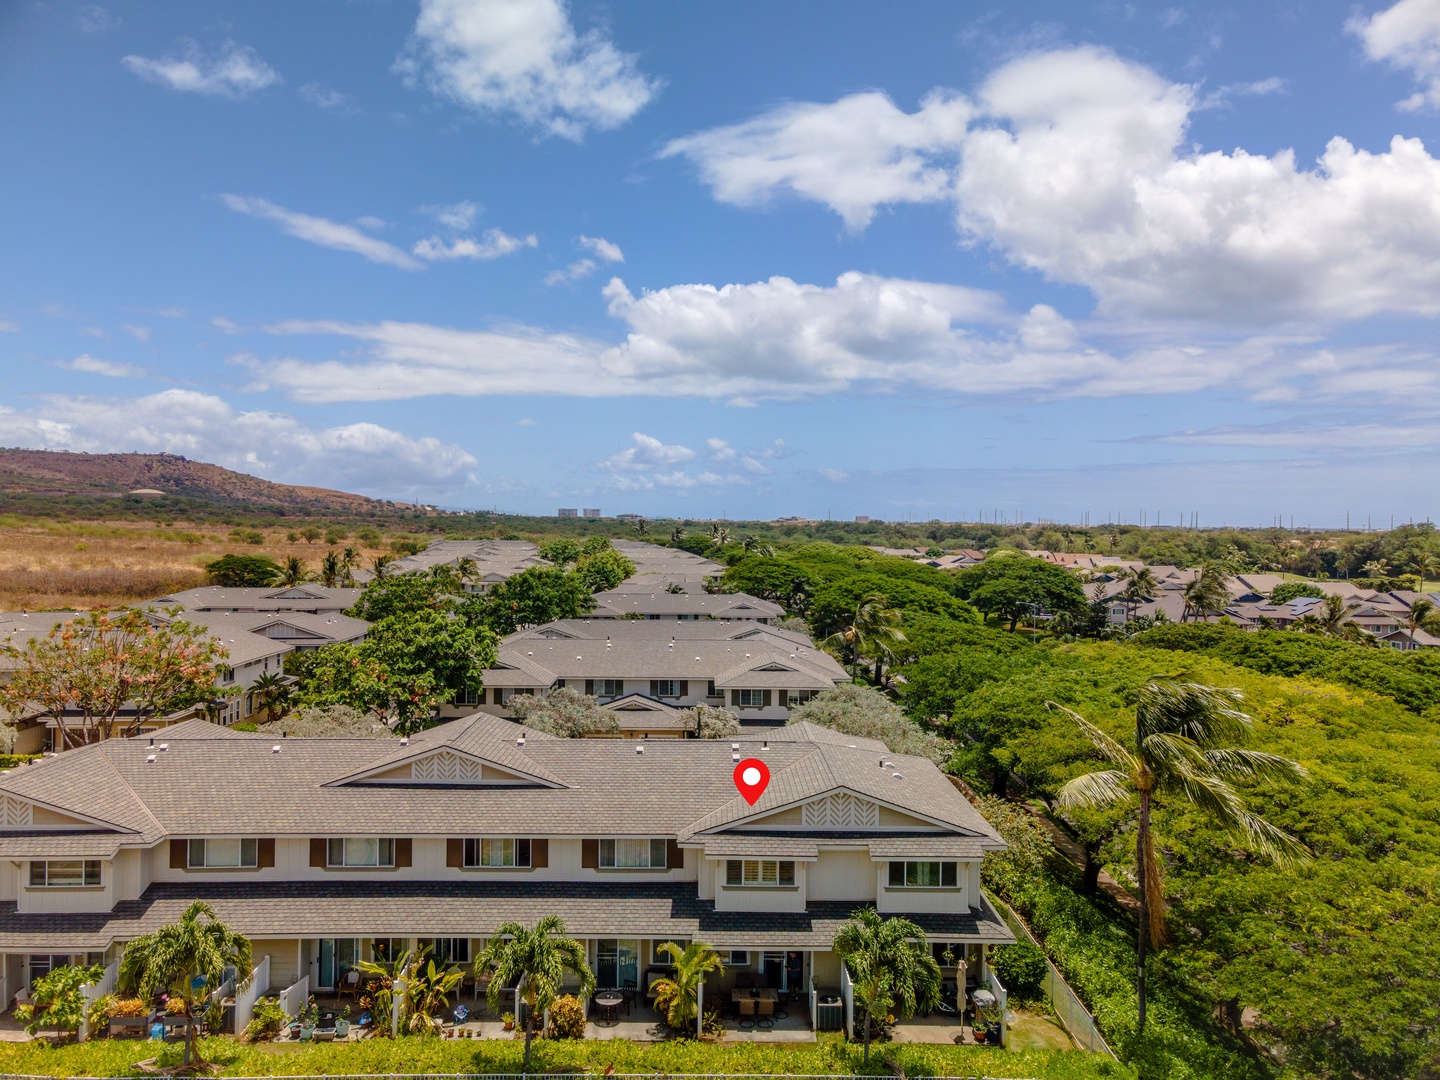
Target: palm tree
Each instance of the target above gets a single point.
(1427, 565)
(1423, 615)
(293, 572)
(719, 535)
(889, 964)
(874, 626)
(642, 527)
(1140, 585)
(349, 559)
(1207, 592)
(1331, 618)
(272, 693)
(677, 534)
(467, 570)
(187, 960)
(330, 569)
(1179, 749)
(536, 959)
(678, 994)
(1376, 568)
(753, 545)
(380, 566)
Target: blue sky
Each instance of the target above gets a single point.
(912, 260)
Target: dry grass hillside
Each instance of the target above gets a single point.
(60, 565)
(55, 472)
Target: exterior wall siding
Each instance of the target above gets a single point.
(842, 875)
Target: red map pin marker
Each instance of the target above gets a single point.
(751, 777)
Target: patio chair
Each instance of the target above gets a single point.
(350, 985)
(766, 1008)
(747, 1013)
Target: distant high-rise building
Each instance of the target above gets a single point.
(591, 512)
(568, 512)
(862, 520)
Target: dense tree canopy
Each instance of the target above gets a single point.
(244, 571)
(1005, 585)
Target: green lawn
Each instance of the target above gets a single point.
(415, 1055)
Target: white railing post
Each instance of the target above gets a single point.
(700, 1008)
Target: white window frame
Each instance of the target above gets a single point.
(944, 866)
(247, 854)
(91, 874)
(634, 847)
(738, 958)
(351, 852)
(667, 688)
(760, 874)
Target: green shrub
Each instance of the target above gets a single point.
(269, 1018)
(1021, 968)
(247, 536)
(9, 761)
(567, 1018)
(245, 725)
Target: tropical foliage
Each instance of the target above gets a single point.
(890, 966)
(56, 1002)
(869, 714)
(677, 995)
(536, 959)
(565, 712)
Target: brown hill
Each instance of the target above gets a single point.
(58, 472)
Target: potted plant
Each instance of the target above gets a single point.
(128, 1014)
(508, 1019)
(309, 1014)
(342, 1023)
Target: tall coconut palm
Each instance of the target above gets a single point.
(1331, 618)
(187, 960)
(677, 995)
(1206, 593)
(1140, 584)
(890, 966)
(719, 535)
(1180, 750)
(1427, 565)
(755, 546)
(1376, 568)
(536, 958)
(271, 693)
(1423, 615)
(873, 628)
(642, 527)
(677, 534)
(380, 566)
(331, 570)
(293, 572)
(349, 559)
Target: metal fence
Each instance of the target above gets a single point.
(1069, 1008)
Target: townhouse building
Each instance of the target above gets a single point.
(326, 852)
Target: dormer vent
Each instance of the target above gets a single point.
(150, 759)
(275, 749)
(164, 746)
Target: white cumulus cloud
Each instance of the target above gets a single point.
(235, 71)
(648, 453)
(321, 231)
(602, 248)
(493, 244)
(1075, 163)
(523, 58)
(93, 365)
(362, 457)
(1406, 36)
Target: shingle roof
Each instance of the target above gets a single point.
(660, 602)
(305, 597)
(743, 845)
(927, 847)
(466, 909)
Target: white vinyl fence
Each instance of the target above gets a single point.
(96, 990)
(293, 998)
(246, 998)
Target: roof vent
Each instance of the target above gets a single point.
(640, 748)
(898, 776)
(275, 749)
(520, 741)
(152, 742)
(886, 764)
(405, 741)
(164, 746)
(765, 745)
(150, 758)
(734, 755)
(735, 746)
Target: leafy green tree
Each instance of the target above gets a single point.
(536, 959)
(56, 1001)
(890, 966)
(677, 995)
(186, 960)
(869, 714)
(565, 712)
(561, 552)
(335, 722)
(777, 580)
(834, 605)
(1179, 750)
(244, 571)
(708, 722)
(603, 570)
(98, 674)
(402, 594)
(1009, 586)
(311, 533)
(1292, 590)
(534, 596)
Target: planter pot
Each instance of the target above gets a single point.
(324, 1034)
(342, 1029)
(307, 1032)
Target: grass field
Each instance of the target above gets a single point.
(829, 1056)
(49, 566)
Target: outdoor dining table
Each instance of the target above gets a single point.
(609, 1004)
(758, 994)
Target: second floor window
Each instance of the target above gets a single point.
(361, 851)
(496, 851)
(667, 688)
(631, 854)
(922, 875)
(609, 687)
(222, 854)
(751, 698)
(64, 873)
(759, 873)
